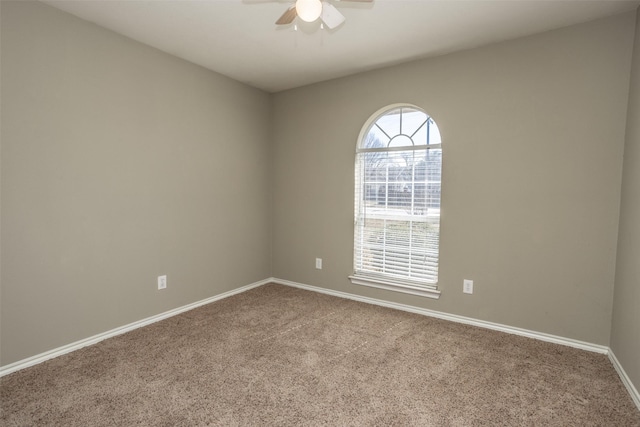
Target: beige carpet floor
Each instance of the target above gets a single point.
(282, 356)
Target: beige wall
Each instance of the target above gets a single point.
(625, 330)
(120, 163)
(533, 133)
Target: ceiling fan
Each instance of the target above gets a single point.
(311, 10)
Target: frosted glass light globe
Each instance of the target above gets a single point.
(309, 10)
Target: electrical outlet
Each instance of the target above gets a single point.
(162, 282)
(467, 286)
(319, 263)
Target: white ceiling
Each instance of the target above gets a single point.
(238, 38)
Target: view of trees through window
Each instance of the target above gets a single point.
(398, 182)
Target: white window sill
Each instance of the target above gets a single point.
(421, 291)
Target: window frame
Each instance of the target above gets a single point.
(392, 282)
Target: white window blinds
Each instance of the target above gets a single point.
(398, 181)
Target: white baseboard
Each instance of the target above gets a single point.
(625, 379)
(454, 318)
(39, 358)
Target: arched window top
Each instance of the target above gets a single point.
(400, 127)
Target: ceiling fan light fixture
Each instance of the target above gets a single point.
(309, 10)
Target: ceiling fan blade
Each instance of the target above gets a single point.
(287, 17)
(331, 16)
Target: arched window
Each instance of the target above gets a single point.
(397, 202)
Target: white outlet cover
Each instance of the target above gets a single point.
(467, 286)
(319, 263)
(162, 282)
